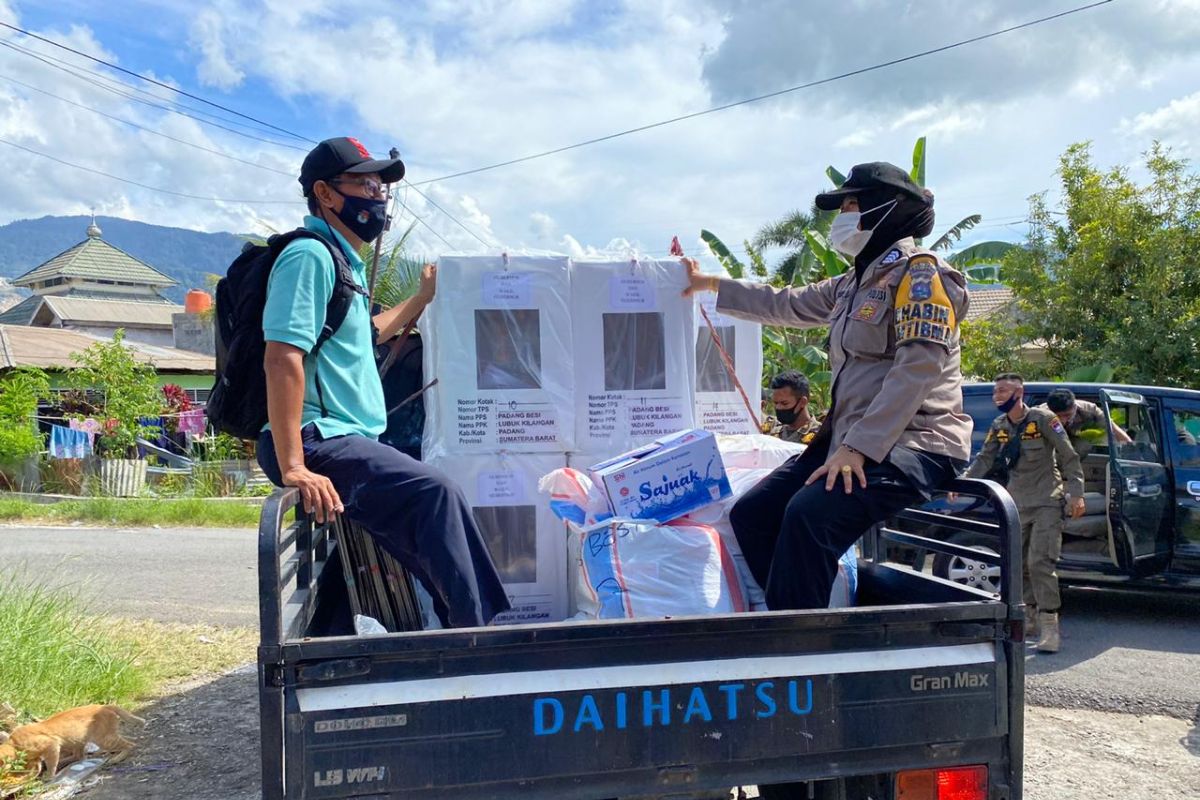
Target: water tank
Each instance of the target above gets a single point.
(197, 301)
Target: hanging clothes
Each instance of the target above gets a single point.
(67, 443)
(192, 421)
(89, 426)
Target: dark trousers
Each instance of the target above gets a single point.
(417, 515)
(792, 535)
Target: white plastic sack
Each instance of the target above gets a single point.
(756, 451)
(635, 355)
(502, 356)
(639, 570)
(720, 407)
(526, 539)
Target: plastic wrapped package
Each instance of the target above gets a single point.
(502, 356)
(719, 405)
(634, 353)
(527, 541)
(756, 451)
(641, 570)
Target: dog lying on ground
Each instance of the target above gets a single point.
(65, 736)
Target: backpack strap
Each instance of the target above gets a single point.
(345, 290)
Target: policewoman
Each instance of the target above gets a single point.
(896, 428)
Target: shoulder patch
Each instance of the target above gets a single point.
(892, 257)
(923, 309)
(1057, 427)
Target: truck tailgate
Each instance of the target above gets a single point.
(569, 710)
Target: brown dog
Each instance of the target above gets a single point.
(65, 737)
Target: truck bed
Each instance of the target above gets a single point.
(922, 673)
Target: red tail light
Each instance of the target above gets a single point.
(949, 783)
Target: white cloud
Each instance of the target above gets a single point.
(1178, 119)
(457, 86)
(215, 69)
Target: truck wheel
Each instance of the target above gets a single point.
(966, 571)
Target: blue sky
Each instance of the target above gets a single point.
(456, 85)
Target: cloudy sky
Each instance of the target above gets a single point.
(456, 85)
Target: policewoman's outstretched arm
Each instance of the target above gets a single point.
(792, 307)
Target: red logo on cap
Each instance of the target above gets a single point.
(362, 151)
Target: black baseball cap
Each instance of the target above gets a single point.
(332, 157)
(867, 177)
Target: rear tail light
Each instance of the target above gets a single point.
(949, 783)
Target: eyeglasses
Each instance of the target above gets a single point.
(370, 186)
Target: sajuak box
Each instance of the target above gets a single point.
(665, 479)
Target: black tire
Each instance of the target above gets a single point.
(969, 573)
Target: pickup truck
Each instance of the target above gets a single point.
(916, 693)
(1142, 526)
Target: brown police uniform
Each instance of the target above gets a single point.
(800, 435)
(1088, 416)
(1036, 485)
(896, 398)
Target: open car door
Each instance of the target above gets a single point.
(1139, 486)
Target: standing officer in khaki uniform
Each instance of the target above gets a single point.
(895, 430)
(1044, 459)
(793, 422)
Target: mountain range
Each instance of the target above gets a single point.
(185, 255)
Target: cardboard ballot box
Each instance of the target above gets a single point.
(719, 405)
(664, 480)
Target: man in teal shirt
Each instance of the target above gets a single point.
(325, 411)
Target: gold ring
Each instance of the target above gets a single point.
(846, 469)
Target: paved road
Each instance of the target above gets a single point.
(1121, 651)
(193, 575)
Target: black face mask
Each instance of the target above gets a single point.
(365, 217)
(1008, 404)
(786, 416)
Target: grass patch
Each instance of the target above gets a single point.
(55, 655)
(134, 512)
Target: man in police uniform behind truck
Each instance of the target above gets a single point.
(1028, 450)
(792, 422)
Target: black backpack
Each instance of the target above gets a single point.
(238, 402)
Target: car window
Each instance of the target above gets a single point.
(1186, 426)
(1138, 422)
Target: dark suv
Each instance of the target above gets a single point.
(1142, 526)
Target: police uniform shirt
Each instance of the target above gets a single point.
(894, 352)
(1047, 459)
(801, 435)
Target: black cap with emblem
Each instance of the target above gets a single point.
(873, 177)
(333, 157)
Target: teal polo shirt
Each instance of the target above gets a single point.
(298, 290)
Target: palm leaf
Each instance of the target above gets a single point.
(728, 260)
(787, 231)
(918, 168)
(835, 176)
(832, 261)
(981, 253)
(956, 231)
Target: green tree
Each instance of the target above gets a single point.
(123, 391)
(20, 391)
(1112, 278)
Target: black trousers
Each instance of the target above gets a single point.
(422, 519)
(792, 535)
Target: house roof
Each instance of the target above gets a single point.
(987, 301)
(51, 348)
(126, 313)
(22, 313)
(96, 259)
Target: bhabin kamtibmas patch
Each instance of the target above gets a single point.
(924, 312)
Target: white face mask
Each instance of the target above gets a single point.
(844, 234)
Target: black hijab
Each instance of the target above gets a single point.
(910, 217)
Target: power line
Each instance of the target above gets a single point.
(166, 86)
(75, 69)
(768, 96)
(451, 216)
(151, 104)
(423, 222)
(151, 131)
(145, 185)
